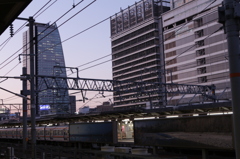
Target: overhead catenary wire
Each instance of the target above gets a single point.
(64, 41)
(68, 19)
(58, 20)
(38, 40)
(44, 9)
(166, 63)
(96, 64)
(189, 48)
(22, 26)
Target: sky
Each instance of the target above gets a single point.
(86, 47)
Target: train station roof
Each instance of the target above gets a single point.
(9, 11)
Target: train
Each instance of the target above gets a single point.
(43, 133)
(102, 132)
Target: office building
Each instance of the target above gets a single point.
(195, 49)
(49, 60)
(137, 52)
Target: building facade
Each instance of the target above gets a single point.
(73, 107)
(195, 48)
(49, 61)
(137, 52)
(178, 3)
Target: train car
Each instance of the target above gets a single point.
(19, 133)
(57, 133)
(8, 133)
(3, 133)
(29, 133)
(40, 133)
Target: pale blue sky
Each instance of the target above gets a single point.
(88, 46)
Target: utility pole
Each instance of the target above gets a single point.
(32, 87)
(32, 84)
(24, 92)
(229, 15)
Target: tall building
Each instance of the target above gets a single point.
(195, 48)
(49, 60)
(137, 52)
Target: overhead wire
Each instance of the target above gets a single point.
(92, 66)
(58, 20)
(174, 33)
(22, 26)
(68, 19)
(109, 60)
(44, 36)
(58, 27)
(166, 63)
(107, 55)
(44, 9)
(38, 40)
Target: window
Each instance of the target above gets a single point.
(173, 77)
(170, 45)
(202, 79)
(170, 35)
(170, 62)
(170, 54)
(202, 70)
(201, 61)
(199, 43)
(198, 22)
(199, 34)
(200, 52)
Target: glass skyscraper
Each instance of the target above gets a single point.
(49, 61)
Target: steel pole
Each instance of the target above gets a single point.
(32, 88)
(24, 111)
(232, 32)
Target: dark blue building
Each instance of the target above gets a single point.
(49, 60)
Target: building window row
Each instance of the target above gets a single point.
(171, 62)
(170, 54)
(145, 62)
(135, 33)
(135, 41)
(136, 56)
(135, 48)
(169, 36)
(170, 45)
(138, 73)
(136, 66)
